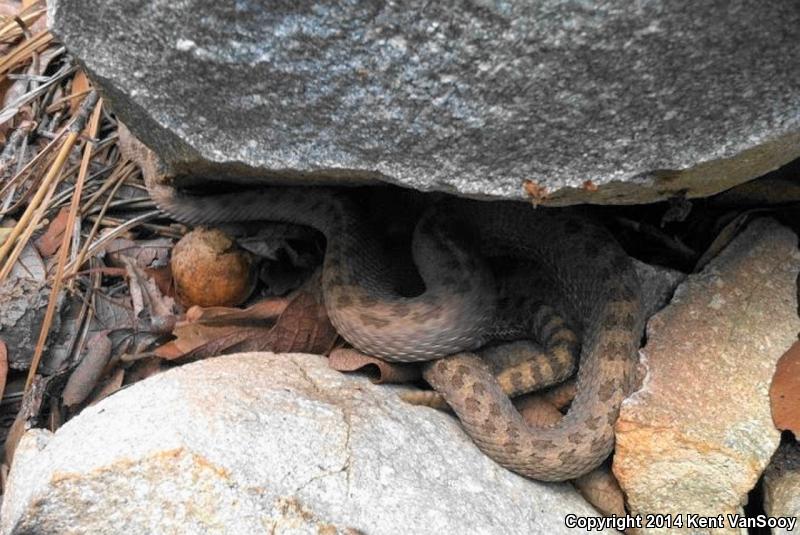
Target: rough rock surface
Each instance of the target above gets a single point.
(23, 300)
(257, 442)
(643, 99)
(782, 485)
(699, 433)
(658, 285)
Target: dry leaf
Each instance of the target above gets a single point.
(39, 23)
(9, 8)
(30, 408)
(145, 295)
(601, 489)
(211, 330)
(80, 86)
(13, 437)
(380, 371)
(142, 369)
(162, 276)
(29, 265)
(49, 242)
(84, 378)
(266, 310)
(196, 341)
(109, 386)
(146, 253)
(303, 326)
(784, 393)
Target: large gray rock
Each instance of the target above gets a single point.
(643, 99)
(258, 442)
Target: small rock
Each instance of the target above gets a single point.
(697, 436)
(658, 285)
(782, 486)
(258, 441)
(565, 102)
(209, 269)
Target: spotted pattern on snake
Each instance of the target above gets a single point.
(526, 365)
(458, 311)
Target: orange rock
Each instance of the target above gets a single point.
(697, 436)
(210, 270)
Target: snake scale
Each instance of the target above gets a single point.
(461, 310)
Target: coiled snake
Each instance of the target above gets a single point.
(587, 272)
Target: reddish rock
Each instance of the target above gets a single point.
(698, 435)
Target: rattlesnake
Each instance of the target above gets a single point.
(458, 311)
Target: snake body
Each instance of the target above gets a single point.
(460, 309)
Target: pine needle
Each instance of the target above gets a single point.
(90, 103)
(23, 51)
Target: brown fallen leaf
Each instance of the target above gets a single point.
(38, 23)
(162, 276)
(208, 331)
(145, 295)
(49, 242)
(195, 341)
(142, 369)
(784, 393)
(601, 489)
(146, 253)
(29, 410)
(266, 310)
(15, 432)
(109, 386)
(380, 371)
(303, 326)
(9, 8)
(84, 378)
(80, 86)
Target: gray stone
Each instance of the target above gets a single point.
(658, 285)
(643, 99)
(278, 443)
(782, 487)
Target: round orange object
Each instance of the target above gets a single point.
(210, 270)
